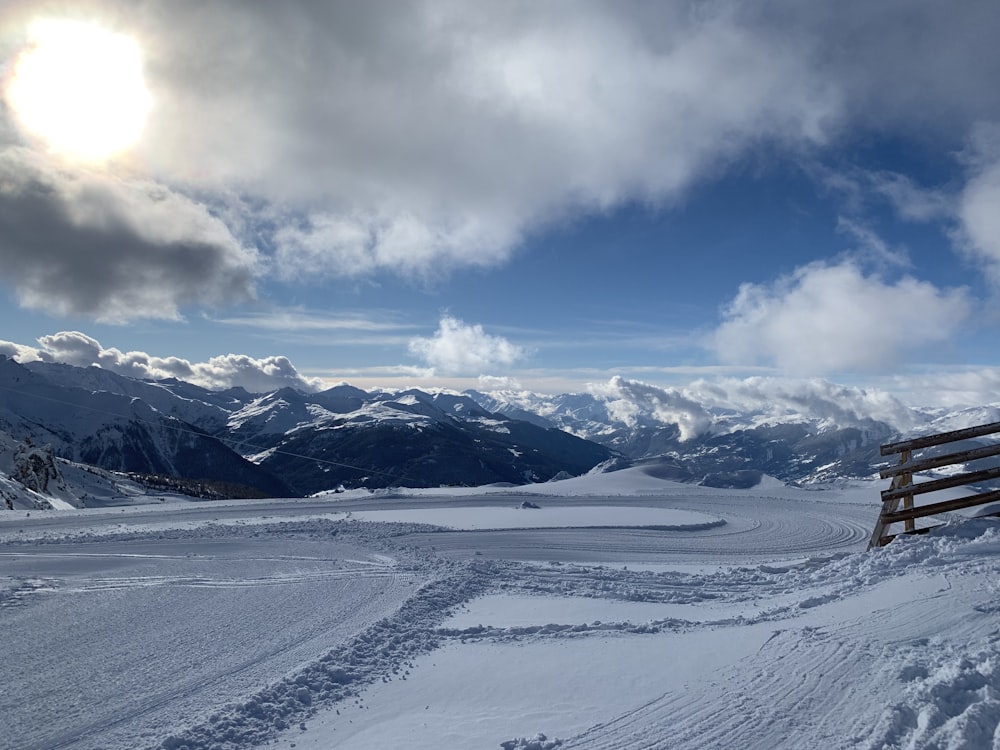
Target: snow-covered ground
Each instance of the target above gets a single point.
(623, 612)
(535, 517)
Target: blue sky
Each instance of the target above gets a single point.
(527, 195)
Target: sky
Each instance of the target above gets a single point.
(523, 195)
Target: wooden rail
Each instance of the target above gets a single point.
(903, 489)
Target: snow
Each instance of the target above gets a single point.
(514, 610)
(611, 516)
(453, 618)
(473, 695)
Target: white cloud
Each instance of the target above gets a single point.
(327, 245)
(19, 352)
(460, 349)
(826, 318)
(912, 201)
(225, 371)
(778, 399)
(871, 248)
(949, 387)
(704, 406)
(301, 319)
(633, 402)
(968, 209)
(498, 383)
(255, 374)
(438, 134)
(979, 217)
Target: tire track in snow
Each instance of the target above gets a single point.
(384, 647)
(129, 710)
(105, 584)
(160, 656)
(780, 697)
(772, 527)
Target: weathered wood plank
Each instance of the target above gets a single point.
(942, 484)
(924, 464)
(943, 507)
(940, 438)
(922, 530)
(880, 525)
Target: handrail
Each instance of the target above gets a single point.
(939, 461)
(943, 507)
(958, 480)
(940, 438)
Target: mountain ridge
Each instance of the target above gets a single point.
(286, 442)
(293, 442)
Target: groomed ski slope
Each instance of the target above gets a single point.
(752, 619)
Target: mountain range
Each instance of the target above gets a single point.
(284, 443)
(172, 434)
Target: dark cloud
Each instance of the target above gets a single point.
(80, 242)
(918, 67)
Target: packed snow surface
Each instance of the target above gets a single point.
(753, 620)
(607, 516)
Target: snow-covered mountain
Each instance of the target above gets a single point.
(724, 446)
(289, 442)
(113, 429)
(190, 403)
(345, 436)
(33, 477)
(280, 443)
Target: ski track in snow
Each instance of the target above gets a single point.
(778, 527)
(231, 626)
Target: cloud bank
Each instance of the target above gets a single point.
(706, 406)
(218, 373)
(950, 389)
(830, 404)
(702, 406)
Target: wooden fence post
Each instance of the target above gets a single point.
(902, 489)
(905, 480)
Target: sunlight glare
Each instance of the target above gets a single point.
(80, 89)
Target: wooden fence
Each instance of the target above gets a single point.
(903, 489)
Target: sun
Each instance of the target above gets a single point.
(80, 89)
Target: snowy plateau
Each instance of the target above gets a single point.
(624, 611)
(685, 601)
